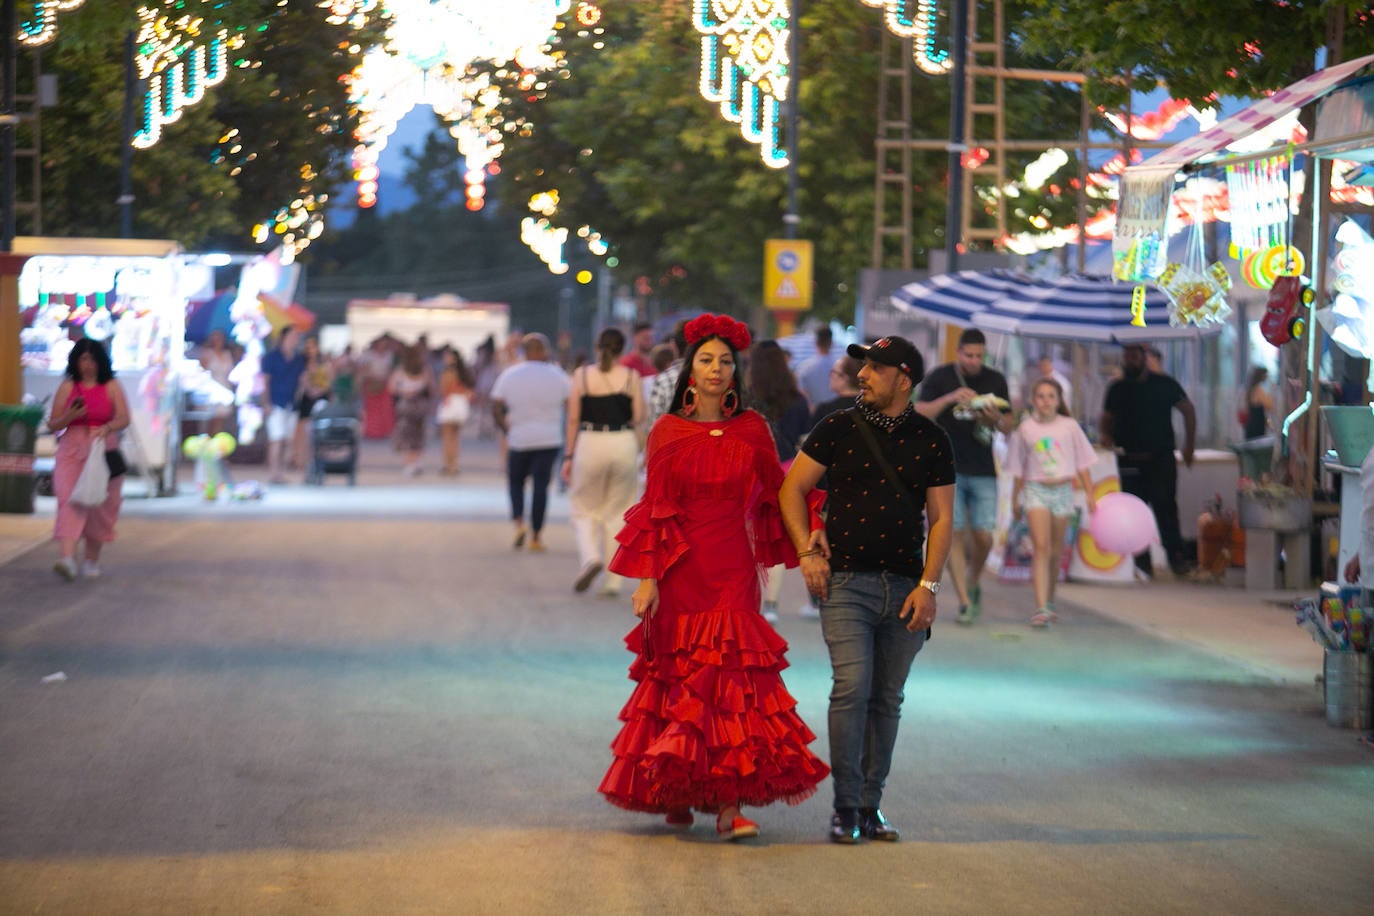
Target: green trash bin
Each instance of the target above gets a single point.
(18, 432)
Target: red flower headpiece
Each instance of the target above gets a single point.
(722, 326)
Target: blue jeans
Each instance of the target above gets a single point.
(536, 465)
(871, 652)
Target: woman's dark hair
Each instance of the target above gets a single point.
(610, 343)
(1257, 375)
(771, 380)
(413, 359)
(104, 372)
(684, 377)
(460, 366)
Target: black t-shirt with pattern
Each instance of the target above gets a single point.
(867, 525)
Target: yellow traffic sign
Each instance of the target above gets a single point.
(787, 274)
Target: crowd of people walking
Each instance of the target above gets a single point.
(703, 466)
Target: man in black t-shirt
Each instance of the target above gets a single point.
(877, 587)
(1137, 421)
(970, 401)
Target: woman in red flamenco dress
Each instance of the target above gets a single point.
(709, 725)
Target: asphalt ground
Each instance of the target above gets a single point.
(362, 700)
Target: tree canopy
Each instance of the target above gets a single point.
(278, 128)
(1197, 50)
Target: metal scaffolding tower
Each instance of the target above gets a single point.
(984, 127)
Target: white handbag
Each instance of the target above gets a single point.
(455, 408)
(93, 486)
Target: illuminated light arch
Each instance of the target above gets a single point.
(745, 68)
(919, 21)
(423, 61)
(41, 26)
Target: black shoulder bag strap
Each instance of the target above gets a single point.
(866, 430)
(908, 501)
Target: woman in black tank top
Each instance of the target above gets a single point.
(601, 466)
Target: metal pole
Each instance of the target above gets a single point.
(126, 157)
(10, 25)
(791, 220)
(958, 115)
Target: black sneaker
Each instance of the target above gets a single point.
(876, 827)
(844, 826)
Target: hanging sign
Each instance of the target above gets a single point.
(787, 274)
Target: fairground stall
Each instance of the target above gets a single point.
(126, 294)
(1324, 289)
(1327, 281)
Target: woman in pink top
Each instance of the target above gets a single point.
(89, 404)
(1048, 451)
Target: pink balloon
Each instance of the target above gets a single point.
(1122, 524)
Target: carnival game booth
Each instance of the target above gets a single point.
(1091, 317)
(127, 294)
(1326, 289)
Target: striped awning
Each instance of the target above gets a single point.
(1075, 307)
(1146, 189)
(954, 298)
(1257, 116)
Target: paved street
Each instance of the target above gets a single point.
(361, 700)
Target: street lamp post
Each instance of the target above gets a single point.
(958, 116)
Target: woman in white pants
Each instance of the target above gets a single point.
(605, 411)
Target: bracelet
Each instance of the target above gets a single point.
(802, 554)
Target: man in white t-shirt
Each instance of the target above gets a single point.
(527, 403)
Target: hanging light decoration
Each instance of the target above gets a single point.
(41, 26)
(428, 46)
(744, 67)
(178, 56)
(348, 12)
(917, 20)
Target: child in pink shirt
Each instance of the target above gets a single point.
(1048, 451)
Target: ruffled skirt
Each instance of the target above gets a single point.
(710, 723)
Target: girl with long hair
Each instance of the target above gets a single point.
(774, 393)
(455, 405)
(1048, 452)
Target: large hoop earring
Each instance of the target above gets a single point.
(729, 402)
(689, 400)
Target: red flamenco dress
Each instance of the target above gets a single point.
(709, 723)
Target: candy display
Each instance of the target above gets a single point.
(1335, 619)
(1196, 297)
(1258, 192)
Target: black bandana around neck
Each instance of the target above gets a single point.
(881, 420)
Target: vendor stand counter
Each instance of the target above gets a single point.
(127, 294)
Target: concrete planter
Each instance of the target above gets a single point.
(1274, 513)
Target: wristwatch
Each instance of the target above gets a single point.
(932, 587)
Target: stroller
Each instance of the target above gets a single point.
(334, 435)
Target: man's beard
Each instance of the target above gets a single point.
(875, 401)
(1133, 372)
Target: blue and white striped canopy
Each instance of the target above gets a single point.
(956, 297)
(1075, 307)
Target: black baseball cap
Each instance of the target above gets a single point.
(892, 351)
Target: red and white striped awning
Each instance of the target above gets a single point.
(1257, 116)
(1146, 188)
